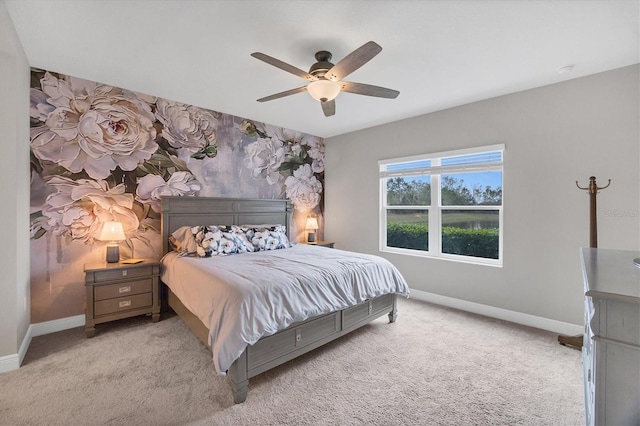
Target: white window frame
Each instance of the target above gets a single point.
(436, 208)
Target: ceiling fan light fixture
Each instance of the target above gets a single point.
(323, 90)
(327, 80)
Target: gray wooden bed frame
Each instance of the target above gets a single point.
(298, 339)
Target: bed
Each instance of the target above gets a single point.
(245, 344)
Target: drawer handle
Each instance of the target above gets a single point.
(124, 303)
(124, 273)
(370, 307)
(126, 289)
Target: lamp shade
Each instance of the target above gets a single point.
(112, 231)
(323, 90)
(312, 223)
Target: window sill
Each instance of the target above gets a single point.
(495, 263)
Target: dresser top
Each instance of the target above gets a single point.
(611, 274)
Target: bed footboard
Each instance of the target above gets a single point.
(298, 339)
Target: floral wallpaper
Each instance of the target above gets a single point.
(101, 153)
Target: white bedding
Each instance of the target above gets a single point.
(244, 297)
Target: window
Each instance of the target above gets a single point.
(446, 205)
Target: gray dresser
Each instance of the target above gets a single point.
(611, 349)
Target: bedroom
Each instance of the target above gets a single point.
(567, 130)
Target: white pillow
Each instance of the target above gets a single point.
(183, 241)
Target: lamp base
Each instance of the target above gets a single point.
(312, 237)
(113, 254)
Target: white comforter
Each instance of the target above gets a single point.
(244, 297)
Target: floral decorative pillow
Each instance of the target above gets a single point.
(220, 240)
(245, 244)
(266, 237)
(217, 241)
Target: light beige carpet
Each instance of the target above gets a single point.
(434, 366)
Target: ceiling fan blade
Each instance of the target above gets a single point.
(368, 90)
(283, 94)
(353, 61)
(328, 107)
(283, 66)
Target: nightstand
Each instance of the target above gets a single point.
(116, 291)
(321, 243)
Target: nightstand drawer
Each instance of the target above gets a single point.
(121, 273)
(119, 304)
(124, 289)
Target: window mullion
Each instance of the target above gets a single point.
(435, 241)
(383, 214)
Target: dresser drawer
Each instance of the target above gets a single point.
(124, 289)
(121, 273)
(120, 304)
(622, 322)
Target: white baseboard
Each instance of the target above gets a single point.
(25, 345)
(9, 362)
(48, 327)
(499, 313)
(14, 361)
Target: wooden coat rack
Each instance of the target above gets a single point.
(593, 188)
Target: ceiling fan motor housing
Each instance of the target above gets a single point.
(323, 65)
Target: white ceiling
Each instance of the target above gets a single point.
(438, 54)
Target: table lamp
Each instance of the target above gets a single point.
(312, 225)
(112, 232)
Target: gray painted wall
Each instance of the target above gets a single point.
(554, 136)
(14, 188)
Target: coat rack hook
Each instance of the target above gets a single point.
(593, 186)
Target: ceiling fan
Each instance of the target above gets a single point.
(325, 78)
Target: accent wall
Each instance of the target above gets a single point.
(101, 153)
